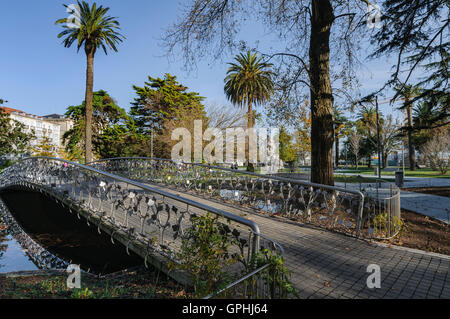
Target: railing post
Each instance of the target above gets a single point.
(256, 244)
(360, 215)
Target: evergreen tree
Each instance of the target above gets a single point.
(14, 139)
(45, 147)
(161, 106)
(106, 115)
(417, 31)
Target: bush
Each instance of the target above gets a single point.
(205, 253)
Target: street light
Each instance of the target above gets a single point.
(378, 139)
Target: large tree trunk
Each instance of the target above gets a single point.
(322, 132)
(412, 154)
(88, 99)
(385, 159)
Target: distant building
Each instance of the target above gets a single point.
(65, 124)
(50, 126)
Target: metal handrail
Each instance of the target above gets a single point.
(10, 177)
(384, 203)
(249, 275)
(253, 226)
(284, 179)
(278, 178)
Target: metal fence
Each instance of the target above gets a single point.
(145, 219)
(331, 207)
(382, 211)
(263, 280)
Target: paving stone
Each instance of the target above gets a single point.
(314, 252)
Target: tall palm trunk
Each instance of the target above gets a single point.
(322, 132)
(88, 99)
(250, 115)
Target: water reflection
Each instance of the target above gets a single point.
(237, 195)
(12, 256)
(53, 238)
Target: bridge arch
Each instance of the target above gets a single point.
(146, 220)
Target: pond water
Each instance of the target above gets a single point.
(37, 233)
(12, 256)
(237, 195)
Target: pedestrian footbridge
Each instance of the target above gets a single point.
(147, 205)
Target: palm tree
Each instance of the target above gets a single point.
(249, 82)
(367, 117)
(424, 115)
(95, 30)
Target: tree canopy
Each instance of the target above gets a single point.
(418, 33)
(14, 139)
(287, 149)
(161, 106)
(249, 82)
(107, 117)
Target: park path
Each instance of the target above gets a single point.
(437, 207)
(330, 265)
(434, 206)
(409, 181)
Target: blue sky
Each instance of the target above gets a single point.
(40, 76)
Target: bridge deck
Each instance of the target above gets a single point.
(330, 265)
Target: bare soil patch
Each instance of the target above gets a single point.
(424, 233)
(438, 191)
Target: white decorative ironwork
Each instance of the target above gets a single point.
(331, 207)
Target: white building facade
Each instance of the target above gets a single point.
(42, 127)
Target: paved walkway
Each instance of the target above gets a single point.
(330, 265)
(434, 206)
(409, 181)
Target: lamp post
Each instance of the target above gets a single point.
(378, 139)
(151, 143)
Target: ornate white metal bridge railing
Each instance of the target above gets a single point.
(331, 207)
(149, 221)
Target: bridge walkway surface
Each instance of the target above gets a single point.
(325, 264)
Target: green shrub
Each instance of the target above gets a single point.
(381, 224)
(205, 253)
(82, 293)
